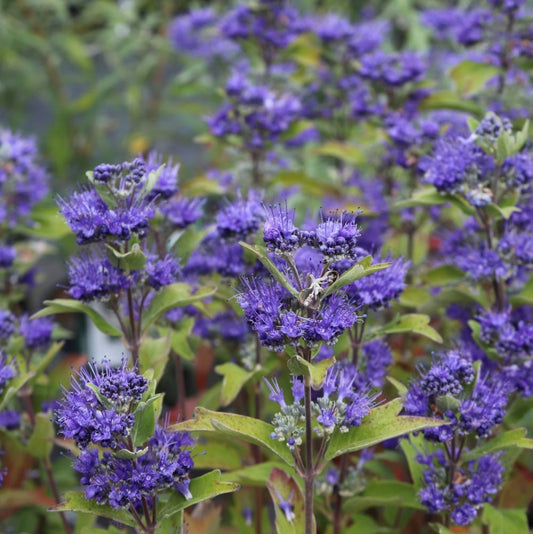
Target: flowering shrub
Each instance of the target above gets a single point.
(337, 308)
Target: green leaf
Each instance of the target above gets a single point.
(133, 260)
(384, 493)
(450, 100)
(510, 143)
(444, 274)
(502, 521)
(147, 412)
(261, 254)
(235, 377)
(310, 185)
(525, 297)
(347, 153)
(173, 296)
(440, 529)
(75, 501)
(15, 385)
(47, 224)
(506, 440)
(246, 428)
(126, 454)
(180, 338)
(364, 524)
(183, 243)
(400, 387)
(425, 196)
(218, 451)
(202, 488)
(153, 354)
(414, 297)
(57, 306)
(41, 442)
(38, 365)
(525, 443)
(429, 196)
(282, 483)
(316, 371)
(500, 212)
(470, 76)
(380, 424)
(359, 270)
(411, 447)
(472, 124)
(416, 323)
(254, 475)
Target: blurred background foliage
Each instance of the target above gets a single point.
(99, 81)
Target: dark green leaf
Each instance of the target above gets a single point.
(173, 296)
(506, 440)
(57, 306)
(316, 371)
(261, 254)
(412, 322)
(75, 501)
(380, 424)
(202, 488)
(384, 493)
(246, 428)
(505, 521)
(41, 441)
(347, 153)
(254, 475)
(235, 377)
(470, 77)
(282, 483)
(359, 270)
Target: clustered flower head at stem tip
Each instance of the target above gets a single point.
(98, 413)
(339, 404)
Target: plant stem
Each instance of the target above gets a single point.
(55, 492)
(256, 169)
(134, 342)
(309, 474)
(46, 461)
(256, 449)
(180, 384)
(338, 497)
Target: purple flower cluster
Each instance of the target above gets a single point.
(23, 179)
(103, 417)
(180, 212)
(99, 412)
(125, 482)
(339, 404)
(458, 166)
(280, 235)
(393, 70)
(197, 34)
(7, 325)
(375, 358)
(312, 260)
(474, 484)
(510, 334)
(37, 333)
(476, 408)
(7, 370)
(115, 208)
(255, 113)
(272, 25)
(114, 214)
(93, 277)
(240, 219)
(378, 290)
